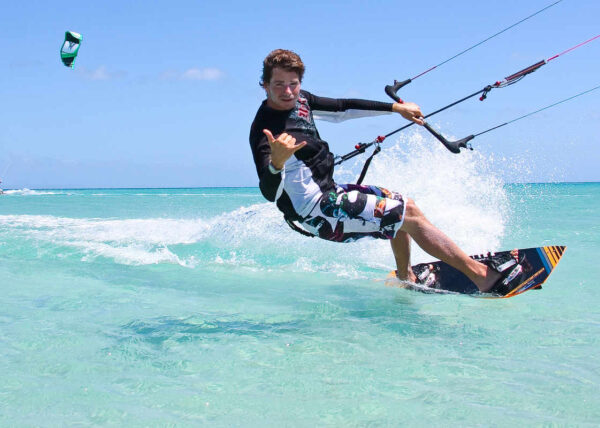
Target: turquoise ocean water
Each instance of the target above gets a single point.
(157, 307)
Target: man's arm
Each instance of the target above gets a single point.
(349, 108)
(344, 104)
(270, 156)
(268, 181)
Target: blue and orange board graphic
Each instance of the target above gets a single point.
(536, 265)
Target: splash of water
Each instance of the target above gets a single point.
(460, 194)
(29, 192)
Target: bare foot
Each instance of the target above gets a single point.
(407, 276)
(492, 276)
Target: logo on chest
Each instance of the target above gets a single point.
(303, 110)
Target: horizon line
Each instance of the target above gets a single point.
(247, 187)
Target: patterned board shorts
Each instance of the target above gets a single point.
(354, 211)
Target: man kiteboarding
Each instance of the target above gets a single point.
(295, 170)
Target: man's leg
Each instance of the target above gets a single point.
(436, 243)
(401, 248)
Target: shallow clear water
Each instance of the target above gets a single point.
(150, 307)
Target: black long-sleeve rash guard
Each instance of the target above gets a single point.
(309, 172)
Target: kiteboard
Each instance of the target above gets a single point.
(521, 270)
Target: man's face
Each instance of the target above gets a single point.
(283, 89)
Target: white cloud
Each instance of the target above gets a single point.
(202, 74)
(24, 64)
(208, 73)
(100, 73)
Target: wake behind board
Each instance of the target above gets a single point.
(522, 270)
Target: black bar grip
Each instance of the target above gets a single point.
(392, 89)
(453, 146)
(462, 143)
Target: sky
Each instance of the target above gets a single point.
(163, 93)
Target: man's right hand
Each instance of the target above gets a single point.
(409, 111)
(282, 148)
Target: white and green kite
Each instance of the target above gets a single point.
(70, 47)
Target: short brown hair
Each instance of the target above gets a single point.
(282, 58)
